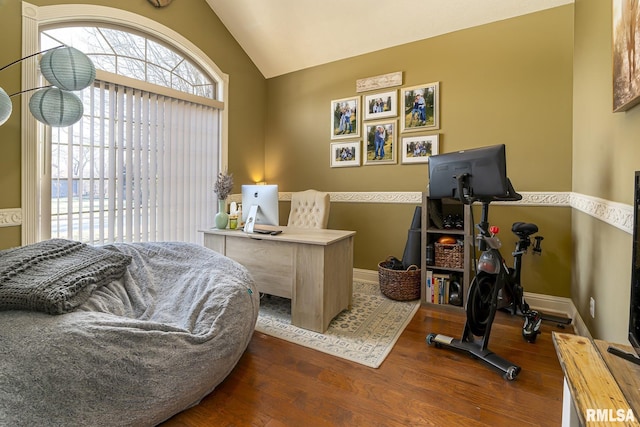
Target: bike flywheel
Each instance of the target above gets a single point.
(480, 305)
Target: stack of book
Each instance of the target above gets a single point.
(437, 287)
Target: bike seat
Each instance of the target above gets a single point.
(524, 229)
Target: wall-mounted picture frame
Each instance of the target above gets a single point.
(380, 105)
(345, 122)
(380, 142)
(420, 107)
(345, 154)
(626, 63)
(418, 149)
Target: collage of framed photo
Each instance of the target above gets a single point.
(387, 115)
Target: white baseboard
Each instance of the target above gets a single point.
(367, 276)
(560, 306)
(545, 303)
(549, 303)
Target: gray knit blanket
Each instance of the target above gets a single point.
(55, 276)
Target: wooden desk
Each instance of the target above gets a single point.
(314, 268)
(599, 388)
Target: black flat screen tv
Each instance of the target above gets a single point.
(481, 173)
(634, 309)
(634, 300)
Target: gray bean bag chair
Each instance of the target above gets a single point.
(119, 335)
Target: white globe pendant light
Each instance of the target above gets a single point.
(67, 68)
(55, 107)
(5, 106)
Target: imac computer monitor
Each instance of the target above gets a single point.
(266, 198)
(481, 173)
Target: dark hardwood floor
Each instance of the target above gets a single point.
(277, 383)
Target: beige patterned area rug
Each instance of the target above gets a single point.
(365, 334)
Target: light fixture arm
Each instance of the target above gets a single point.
(30, 56)
(29, 90)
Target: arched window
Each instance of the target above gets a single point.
(141, 164)
(133, 55)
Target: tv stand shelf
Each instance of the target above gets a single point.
(430, 234)
(597, 384)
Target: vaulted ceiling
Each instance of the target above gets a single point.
(282, 36)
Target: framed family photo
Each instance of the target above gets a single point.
(345, 122)
(418, 149)
(420, 107)
(380, 142)
(345, 154)
(380, 105)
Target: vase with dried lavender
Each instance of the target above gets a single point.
(223, 187)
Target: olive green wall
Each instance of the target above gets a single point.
(550, 272)
(507, 82)
(192, 19)
(10, 12)
(606, 154)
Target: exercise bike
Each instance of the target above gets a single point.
(511, 295)
(495, 287)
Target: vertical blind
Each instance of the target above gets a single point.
(138, 167)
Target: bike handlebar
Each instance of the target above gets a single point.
(512, 194)
(465, 197)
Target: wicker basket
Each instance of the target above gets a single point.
(399, 285)
(449, 256)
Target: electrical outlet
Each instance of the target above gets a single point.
(592, 307)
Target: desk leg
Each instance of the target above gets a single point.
(307, 298)
(323, 285)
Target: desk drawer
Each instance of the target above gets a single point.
(270, 263)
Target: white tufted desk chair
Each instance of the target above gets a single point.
(309, 209)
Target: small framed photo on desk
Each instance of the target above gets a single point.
(251, 219)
